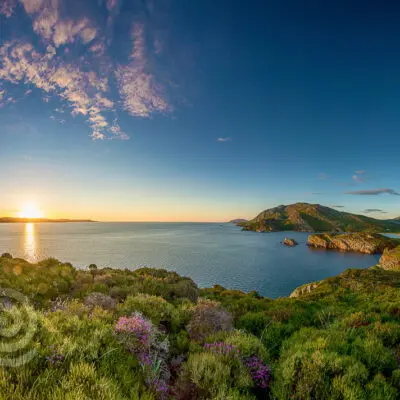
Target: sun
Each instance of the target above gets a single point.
(31, 211)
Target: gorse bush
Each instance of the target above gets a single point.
(151, 334)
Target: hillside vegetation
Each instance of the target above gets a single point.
(151, 334)
(391, 259)
(306, 217)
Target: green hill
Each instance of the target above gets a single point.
(304, 217)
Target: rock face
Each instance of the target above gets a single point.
(290, 242)
(304, 289)
(304, 217)
(368, 243)
(391, 259)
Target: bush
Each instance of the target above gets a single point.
(153, 307)
(7, 256)
(208, 317)
(100, 300)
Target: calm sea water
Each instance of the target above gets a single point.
(208, 253)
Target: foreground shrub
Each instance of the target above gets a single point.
(141, 338)
(100, 300)
(155, 308)
(208, 317)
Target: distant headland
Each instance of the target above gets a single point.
(9, 220)
(304, 217)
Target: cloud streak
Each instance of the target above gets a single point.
(373, 192)
(141, 93)
(374, 210)
(224, 139)
(322, 176)
(7, 7)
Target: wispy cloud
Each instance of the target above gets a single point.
(7, 7)
(361, 176)
(111, 4)
(374, 210)
(373, 192)
(141, 93)
(322, 176)
(224, 139)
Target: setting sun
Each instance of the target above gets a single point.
(31, 211)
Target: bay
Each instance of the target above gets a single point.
(209, 253)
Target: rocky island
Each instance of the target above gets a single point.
(289, 242)
(367, 243)
(304, 217)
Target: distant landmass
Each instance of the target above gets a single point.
(27, 220)
(238, 220)
(304, 217)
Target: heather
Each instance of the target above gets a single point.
(151, 334)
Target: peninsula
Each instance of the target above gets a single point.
(10, 220)
(304, 217)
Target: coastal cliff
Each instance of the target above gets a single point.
(390, 259)
(367, 243)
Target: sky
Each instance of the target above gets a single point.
(202, 110)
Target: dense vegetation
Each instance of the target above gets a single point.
(151, 334)
(306, 217)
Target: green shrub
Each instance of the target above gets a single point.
(153, 307)
(208, 317)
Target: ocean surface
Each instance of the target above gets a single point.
(208, 253)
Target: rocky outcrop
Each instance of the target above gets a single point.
(390, 259)
(304, 289)
(367, 243)
(290, 242)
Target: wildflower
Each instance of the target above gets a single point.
(223, 349)
(260, 372)
(56, 357)
(136, 326)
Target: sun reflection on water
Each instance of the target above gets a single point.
(30, 242)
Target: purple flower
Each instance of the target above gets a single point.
(55, 357)
(260, 372)
(222, 348)
(135, 326)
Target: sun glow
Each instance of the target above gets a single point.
(31, 211)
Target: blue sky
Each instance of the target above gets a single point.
(198, 111)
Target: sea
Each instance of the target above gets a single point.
(209, 253)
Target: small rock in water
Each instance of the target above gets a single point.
(290, 242)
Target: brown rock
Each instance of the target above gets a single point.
(290, 242)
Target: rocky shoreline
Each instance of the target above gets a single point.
(367, 243)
